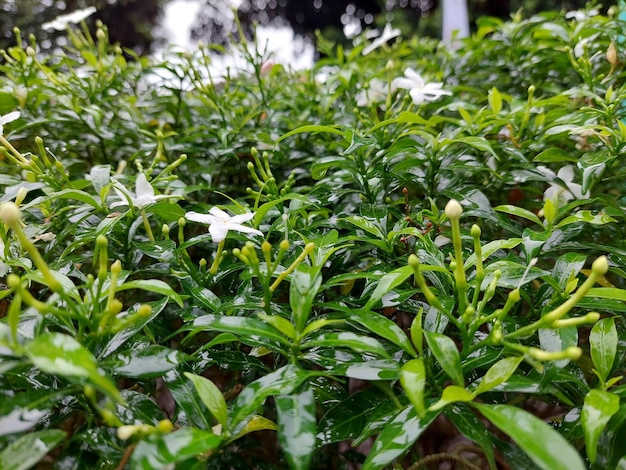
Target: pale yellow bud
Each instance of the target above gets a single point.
(453, 209)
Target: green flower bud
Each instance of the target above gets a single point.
(10, 213)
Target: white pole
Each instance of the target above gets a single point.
(455, 18)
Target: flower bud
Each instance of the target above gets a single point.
(10, 213)
(475, 231)
(453, 209)
(600, 266)
(611, 54)
(144, 310)
(165, 426)
(127, 431)
(284, 245)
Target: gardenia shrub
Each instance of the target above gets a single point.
(406, 256)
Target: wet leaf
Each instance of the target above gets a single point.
(27, 450)
(297, 427)
(545, 446)
(498, 373)
(305, 283)
(413, 380)
(397, 437)
(152, 285)
(446, 354)
(603, 344)
(280, 382)
(56, 353)
(211, 396)
(598, 409)
(164, 450)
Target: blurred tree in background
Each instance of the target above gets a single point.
(133, 23)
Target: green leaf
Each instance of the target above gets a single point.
(280, 323)
(607, 293)
(519, 212)
(479, 143)
(473, 428)
(349, 417)
(586, 216)
(347, 339)
(387, 283)
(27, 450)
(603, 345)
(241, 326)
(167, 211)
(311, 128)
(545, 446)
(413, 380)
(211, 396)
(152, 285)
(498, 373)
(453, 394)
(305, 283)
(78, 195)
(446, 353)
(164, 450)
(397, 437)
(280, 382)
(495, 100)
(554, 155)
(383, 327)
(490, 248)
(366, 225)
(297, 427)
(598, 409)
(60, 354)
(553, 340)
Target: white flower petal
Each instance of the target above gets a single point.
(218, 232)
(237, 219)
(417, 96)
(12, 116)
(143, 187)
(402, 82)
(566, 173)
(219, 213)
(200, 218)
(242, 228)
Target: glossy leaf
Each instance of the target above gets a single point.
(145, 361)
(413, 380)
(305, 283)
(383, 327)
(242, 326)
(519, 212)
(281, 382)
(27, 450)
(498, 373)
(211, 396)
(387, 283)
(60, 354)
(446, 354)
(164, 450)
(473, 428)
(598, 409)
(553, 340)
(610, 448)
(351, 416)
(280, 323)
(346, 339)
(453, 394)
(297, 427)
(397, 437)
(152, 285)
(543, 445)
(254, 424)
(603, 344)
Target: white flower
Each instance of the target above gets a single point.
(220, 223)
(8, 118)
(143, 197)
(61, 22)
(579, 48)
(419, 90)
(581, 15)
(376, 93)
(563, 192)
(388, 34)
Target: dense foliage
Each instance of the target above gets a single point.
(414, 254)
